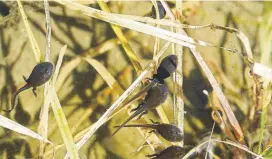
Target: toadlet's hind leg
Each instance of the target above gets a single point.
(152, 131)
(152, 156)
(24, 78)
(143, 113)
(154, 122)
(34, 91)
(135, 109)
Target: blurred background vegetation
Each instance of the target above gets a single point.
(85, 96)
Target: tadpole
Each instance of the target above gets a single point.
(41, 73)
(169, 132)
(4, 9)
(166, 68)
(172, 152)
(161, 10)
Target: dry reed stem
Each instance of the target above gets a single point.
(178, 75)
(104, 118)
(242, 147)
(43, 125)
(12, 125)
(208, 147)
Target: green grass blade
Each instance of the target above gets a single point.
(63, 125)
(59, 114)
(132, 56)
(33, 42)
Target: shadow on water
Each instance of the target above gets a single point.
(21, 116)
(194, 85)
(87, 88)
(16, 147)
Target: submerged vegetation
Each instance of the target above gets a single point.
(107, 57)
